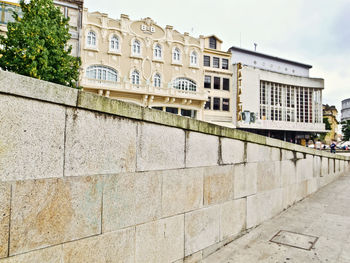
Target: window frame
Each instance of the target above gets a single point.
(157, 52)
(194, 58)
(217, 83)
(136, 49)
(217, 98)
(102, 73)
(135, 77)
(157, 80)
(216, 59)
(116, 40)
(226, 63)
(206, 82)
(222, 104)
(92, 39)
(212, 43)
(204, 61)
(228, 84)
(176, 55)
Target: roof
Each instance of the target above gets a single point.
(251, 52)
(215, 37)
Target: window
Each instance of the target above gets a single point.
(189, 113)
(225, 84)
(102, 73)
(216, 83)
(135, 78)
(216, 62)
(184, 84)
(158, 108)
(194, 58)
(226, 104)
(172, 110)
(207, 105)
(224, 63)
(216, 104)
(212, 42)
(157, 52)
(207, 82)
(136, 47)
(176, 55)
(114, 44)
(206, 61)
(157, 80)
(91, 39)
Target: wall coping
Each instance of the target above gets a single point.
(22, 86)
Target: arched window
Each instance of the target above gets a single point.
(176, 55)
(114, 44)
(136, 47)
(102, 73)
(158, 51)
(135, 78)
(194, 58)
(184, 84)
(91, 39)
(157, 80)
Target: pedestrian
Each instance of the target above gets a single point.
(333, 147)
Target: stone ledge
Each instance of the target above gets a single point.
(23, 86)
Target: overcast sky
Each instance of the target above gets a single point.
(315, 32)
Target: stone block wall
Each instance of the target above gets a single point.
(87, 179)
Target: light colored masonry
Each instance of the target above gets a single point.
(84, 178)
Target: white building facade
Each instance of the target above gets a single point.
(345, 110)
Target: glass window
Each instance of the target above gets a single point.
(216, 104)
(207, 82)
(136, 47)
(194, 58)
(216, 83)
(207, 105)
(216, 62)
(114, 43)
(184, 84)
(158, 108)
(172, 110)
(91, 39)
(225, 84)
(102, 73)
(157, 80)
(206, 61)
(224, 63)
(135, 78)
(158, 51)
(226, 104)
(212, 42)
(176, 55)
(188, 113)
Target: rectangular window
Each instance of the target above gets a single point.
(225, 84)
(216, 104)
(224, 63)
(206, 61)
(207, 105)
(188, 113)
(212, 43)
(216, 83)
(158, 108)
(226, 104)
(216, 62)
(172, 110)
(207, 82)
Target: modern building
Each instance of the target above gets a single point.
(143, 63)
(70, 8)
(345, 110)
(217, 82)
(275, 96)
(330, 113)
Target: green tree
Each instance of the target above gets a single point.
(36, 44)
(346, 130)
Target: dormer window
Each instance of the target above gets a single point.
(212, 42)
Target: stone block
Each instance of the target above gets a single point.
(31, 139)
(99, 144)
(289, 195)
(182, 190)
(232, 218)
(48, 255)
(269, 176)
(245, 180)
(194, 258)
(304, 169)
(202, 229)
(160, 147)
(325, 166)
(116, 246)
(288, 173)
(337, 166)
(287, 155)
(263, 206)
(331, 164)
(202, 150)
(47, 212)
(302, 189)
(232, 151)
(257, 153)
(160, 241)
(130, 199)
(275, 154)
(5, 202)
(218, 184)
(312, 186)
(317, 166)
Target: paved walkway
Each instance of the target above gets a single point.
(325, 214)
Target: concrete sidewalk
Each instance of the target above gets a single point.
(323, 218)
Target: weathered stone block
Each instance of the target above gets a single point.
(275, 154)
(31, 139)
(288, 172)
(232, 218)
(202, 229)
(257, 153)
(312, 186)
(331, 164)
(202, 150)
(287, 155)
(99, 144)
(302, 188)
(324, 166)
(269, 176)
(160, 147)
(52, 211)
(116, 246)
(232, 151)
(5, 201)
(130, 199)
(160, 241)
(218, 184)
(289, 195)
(245, 180)
(304, 169)
(299, 155)
(317, 166)
(182, 190)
